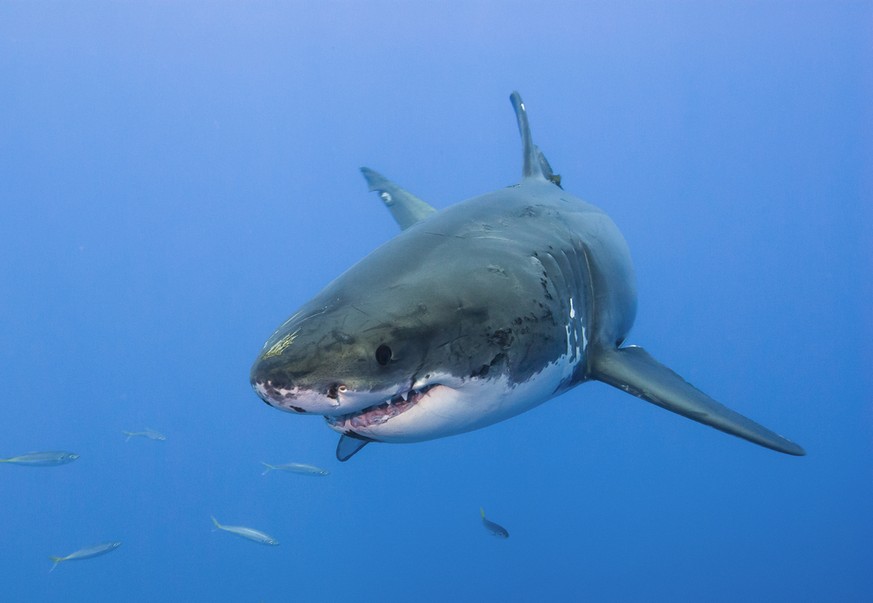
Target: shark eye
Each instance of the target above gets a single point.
(383, 354)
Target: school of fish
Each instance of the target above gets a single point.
(62, 457)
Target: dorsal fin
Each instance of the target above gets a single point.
(535, 163)
(406, 208)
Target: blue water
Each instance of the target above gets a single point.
(177, 178)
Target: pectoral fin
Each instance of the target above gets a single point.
(406, 208)
(633, 370)
(348, 446)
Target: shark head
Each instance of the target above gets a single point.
(419, 340)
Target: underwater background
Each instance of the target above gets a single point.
(177, 178)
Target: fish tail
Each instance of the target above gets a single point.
(268, 466)
(55, 560)
(482, 512)
(128, 435)
(215, 522)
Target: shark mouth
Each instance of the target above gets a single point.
(379, 413)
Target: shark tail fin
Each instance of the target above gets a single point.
(535, 163)
(55, 561)
(482, 512)
(268, 466)
(215, 522)
(127, 435)
(634, 371)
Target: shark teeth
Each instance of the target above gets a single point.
(380, 413)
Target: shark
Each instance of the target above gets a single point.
(474, 314)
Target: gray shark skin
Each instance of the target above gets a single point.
(472, 315)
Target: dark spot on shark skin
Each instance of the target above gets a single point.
(474, 314)
(279, 381)
(545, 283)
(502, 338)
(297, 409)
(529, 212)
(486, 368)
(548, 315)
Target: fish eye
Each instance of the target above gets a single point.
(383, 354)
(342, 389)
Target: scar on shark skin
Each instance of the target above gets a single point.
(281, 345)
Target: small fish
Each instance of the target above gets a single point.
(301, 468)
(146, 433)
(495, 529)
(86, 553)
(247, 533)
(42, 459)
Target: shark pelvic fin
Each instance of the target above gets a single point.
(349, 445)
(535, 163)
(406, 208)
(633, 370)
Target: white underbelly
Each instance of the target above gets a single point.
(472, 404)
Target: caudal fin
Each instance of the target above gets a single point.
(215, 522)
(634, 371)
(55, 561)
(482, 512)
(268, 466)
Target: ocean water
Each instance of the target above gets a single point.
(177, 178)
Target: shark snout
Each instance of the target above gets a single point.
(276, 388)
(293, 393)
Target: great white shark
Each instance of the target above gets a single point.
(475, 314)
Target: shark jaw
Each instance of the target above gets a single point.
(450, 406)
(380, 413)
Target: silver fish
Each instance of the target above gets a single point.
(247, 533)
(146, 433)
(495, 529)
(86, 553)
(42, 459)
(301, 468)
